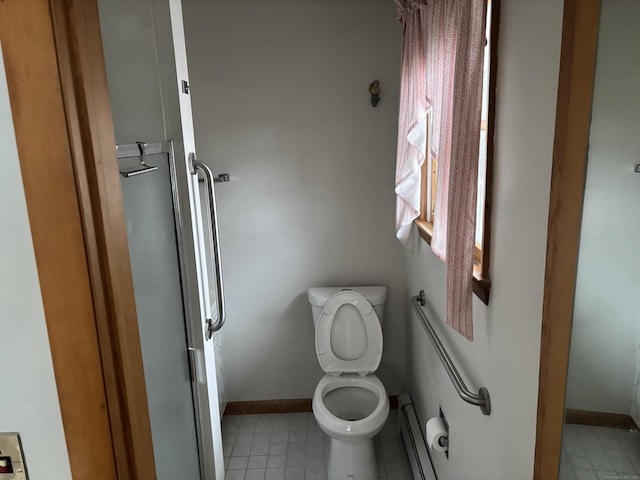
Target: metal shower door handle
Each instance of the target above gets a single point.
(195, 167)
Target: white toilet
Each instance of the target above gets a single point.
(350, 403)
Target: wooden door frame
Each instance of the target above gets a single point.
(86, 95)
(573, 118)
(64, 133)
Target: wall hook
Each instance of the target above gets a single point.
(374, 90)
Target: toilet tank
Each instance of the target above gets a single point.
(319, 296)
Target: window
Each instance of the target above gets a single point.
(424, 222)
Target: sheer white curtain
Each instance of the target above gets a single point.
(412, 127)
(448, 80)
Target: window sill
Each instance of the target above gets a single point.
(481, 285)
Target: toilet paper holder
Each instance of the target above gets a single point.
(437, 434)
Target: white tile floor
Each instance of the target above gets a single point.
(599, 453)
(292, 447)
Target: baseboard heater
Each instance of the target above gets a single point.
(414, 442)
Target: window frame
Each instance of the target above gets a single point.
(481, 277)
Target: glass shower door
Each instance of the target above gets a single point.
(154, 248)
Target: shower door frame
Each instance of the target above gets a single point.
(183, 211)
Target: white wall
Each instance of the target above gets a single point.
(280, 102)
(504, 356)
(29, 397)
(606, 328)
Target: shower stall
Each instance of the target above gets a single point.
(171, 330)
(169, 203)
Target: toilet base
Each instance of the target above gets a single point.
(352, 461)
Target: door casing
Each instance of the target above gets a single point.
(573, 118)
(64, 132)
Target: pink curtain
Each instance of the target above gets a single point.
(412, 137)
(453, 32)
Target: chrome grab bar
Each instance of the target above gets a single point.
(480, 399)
(195, 167)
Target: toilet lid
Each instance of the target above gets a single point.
(330, 359)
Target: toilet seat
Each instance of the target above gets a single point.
(370, 360)
(333, 425)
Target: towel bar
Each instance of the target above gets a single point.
(140, 150)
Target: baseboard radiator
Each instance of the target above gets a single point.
(413, 439)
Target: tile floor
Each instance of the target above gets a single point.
(599, 453)
(292, 447)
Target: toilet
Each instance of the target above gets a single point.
(350, 403)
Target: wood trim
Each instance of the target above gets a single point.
(575, 89)
(295, 405)
(488, 201)
(64, 132)
(268, 406)
(86, 97)
(424, 176)
(425, 230)
(481, 286)
(599, 419)
(42, 137)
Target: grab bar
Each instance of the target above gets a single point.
(196, 166)
(480, 399)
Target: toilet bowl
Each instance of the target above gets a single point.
(350, 403)
(350, 407)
